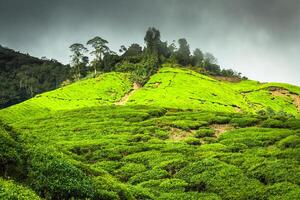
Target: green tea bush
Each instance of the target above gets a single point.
(189, 196)
(9, 156)
(192, 141)
(176, 185)
(236, 147)
(292, 141)
(220, 120)
(129, 170)
(173, 166)
(228, 182)
(282, 191)
(204, 133)
(10, 191)
(187, 124)
(54, 177)
(273, 171)
(107, 188)
(244, 121)
(293, 123)
(153, 174)
(273, 123)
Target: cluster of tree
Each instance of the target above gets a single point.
(23, 76)
(142, 61)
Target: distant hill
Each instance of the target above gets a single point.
(177, 88)
(23, 76)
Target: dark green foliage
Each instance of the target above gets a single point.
(273, 123)
(204, 132)
(183, 53)
(292, 141)
(23, 76)
(282, 191)
(192, 141)
(272, 171)
(244, 122)
(9, 156)
(53, 177)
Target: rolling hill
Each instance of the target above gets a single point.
(183, 135)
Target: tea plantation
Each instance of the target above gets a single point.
(181, 136)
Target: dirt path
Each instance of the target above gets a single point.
(125, 98)
(284, 93)
(221, 128)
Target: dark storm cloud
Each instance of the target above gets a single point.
(258, 38)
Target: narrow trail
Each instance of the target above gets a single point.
(125, 98)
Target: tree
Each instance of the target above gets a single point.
(210, 59)
(133, 50)
(77, 58)
(197, 58)
(183, 53)
(100, 48)
(152, 40)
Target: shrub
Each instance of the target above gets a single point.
(9, 157)
(173, 166)
(192, 141)
(204, 133)
(244, 122)
(10, 190)
(189, 196)
(187, 124)
(293, 123)
(236, 147)
(273, 123)
(152, 174)
(129, 170)
(282, 191)
(272, 171)
(54, 177)
(221, 120)
(292, 141)
(175, 185)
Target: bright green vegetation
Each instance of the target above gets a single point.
(186, 89)
(138, 152)
(181, 136)
(102, 90)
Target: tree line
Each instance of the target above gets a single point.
(142, 61)
(23, 76)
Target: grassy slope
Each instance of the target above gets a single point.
(170, 88)
(181, 88)
(141, 152)
(133, 149)
(103, 90)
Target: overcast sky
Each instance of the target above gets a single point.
(260, 38)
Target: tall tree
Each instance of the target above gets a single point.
(100, 48)
(133, 50)
(183, 53)
(152, 40)
(197, 59)
(78, 58)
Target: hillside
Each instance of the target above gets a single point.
(170, 88)
(182, 136)
(23, 76)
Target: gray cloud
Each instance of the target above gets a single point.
(258, 38)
